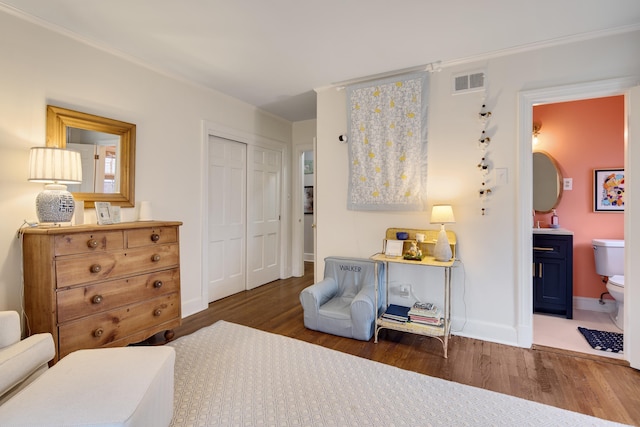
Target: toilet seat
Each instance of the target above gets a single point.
(617, 281)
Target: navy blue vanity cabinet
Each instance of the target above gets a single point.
(553, 274)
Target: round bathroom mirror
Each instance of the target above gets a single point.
(547, 182)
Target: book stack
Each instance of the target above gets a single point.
(397, 313)
(426, 313)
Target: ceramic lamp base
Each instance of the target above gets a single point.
(55, 204)
(442, 250)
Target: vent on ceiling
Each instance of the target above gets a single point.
(468, 82)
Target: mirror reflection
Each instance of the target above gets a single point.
(547, 182)
(107, 148)
(99, 152)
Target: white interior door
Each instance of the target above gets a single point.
(227, 217)
(264, 216)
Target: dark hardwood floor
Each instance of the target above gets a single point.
(594, 386)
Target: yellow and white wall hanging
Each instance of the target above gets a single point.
(387, 128)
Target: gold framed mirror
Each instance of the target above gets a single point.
(547, 182)
(108, 151)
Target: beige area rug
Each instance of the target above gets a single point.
(232, 375)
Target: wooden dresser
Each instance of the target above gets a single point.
(102, 285)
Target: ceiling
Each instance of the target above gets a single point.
(273, 54)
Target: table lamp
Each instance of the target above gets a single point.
(55, 167)
(442, 214)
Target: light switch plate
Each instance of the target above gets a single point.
(502, 177)
(567, 184)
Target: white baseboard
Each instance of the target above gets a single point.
(520, 337)
(309, 257)
(193, 306)
(593, 304)
(484, 331)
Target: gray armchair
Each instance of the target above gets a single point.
(343, 302)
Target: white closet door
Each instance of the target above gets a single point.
(264, 216)
(227, 217)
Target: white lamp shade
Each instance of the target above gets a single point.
(49, 164)
(56, 167)
(442, 214)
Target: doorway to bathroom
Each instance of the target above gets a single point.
(579, 137)
(586, 298)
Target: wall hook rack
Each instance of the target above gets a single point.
(484, 114)
(484, 139)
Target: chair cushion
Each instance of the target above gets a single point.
(337, 308)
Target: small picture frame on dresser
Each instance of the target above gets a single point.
(114, 211)
(103, 213)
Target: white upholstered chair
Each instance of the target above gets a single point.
(120, 386)
(21, 361)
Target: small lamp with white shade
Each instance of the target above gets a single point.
(442, 214)
(55, 167)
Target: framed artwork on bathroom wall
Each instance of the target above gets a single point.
(608, 190)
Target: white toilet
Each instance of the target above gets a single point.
(609, 256)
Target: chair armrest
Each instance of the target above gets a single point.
(312, 297)
(363, 313)
(9, 328)
(20, 360)
(367, 296)
(319, 293)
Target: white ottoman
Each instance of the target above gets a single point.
(125, 386)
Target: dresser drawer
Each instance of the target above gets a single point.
(102, 329)
(77, 302)
(79, 270)
(88, 243)
(151, 236)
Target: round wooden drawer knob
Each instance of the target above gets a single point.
(98, 332)
(97, 299)
(92, 243)
(95, 268)
(155, 258)
(157, 312)
(157, 284)
(155, 237)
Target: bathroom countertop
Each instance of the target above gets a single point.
(552, 231)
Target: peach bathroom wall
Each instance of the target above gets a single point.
(582, 136)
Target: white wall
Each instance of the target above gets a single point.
(41, 67)
(488, 247)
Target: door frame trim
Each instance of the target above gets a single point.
(297, 250)
(210, 128)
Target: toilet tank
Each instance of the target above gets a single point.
(609, 256)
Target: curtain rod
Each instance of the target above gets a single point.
(430, 67)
